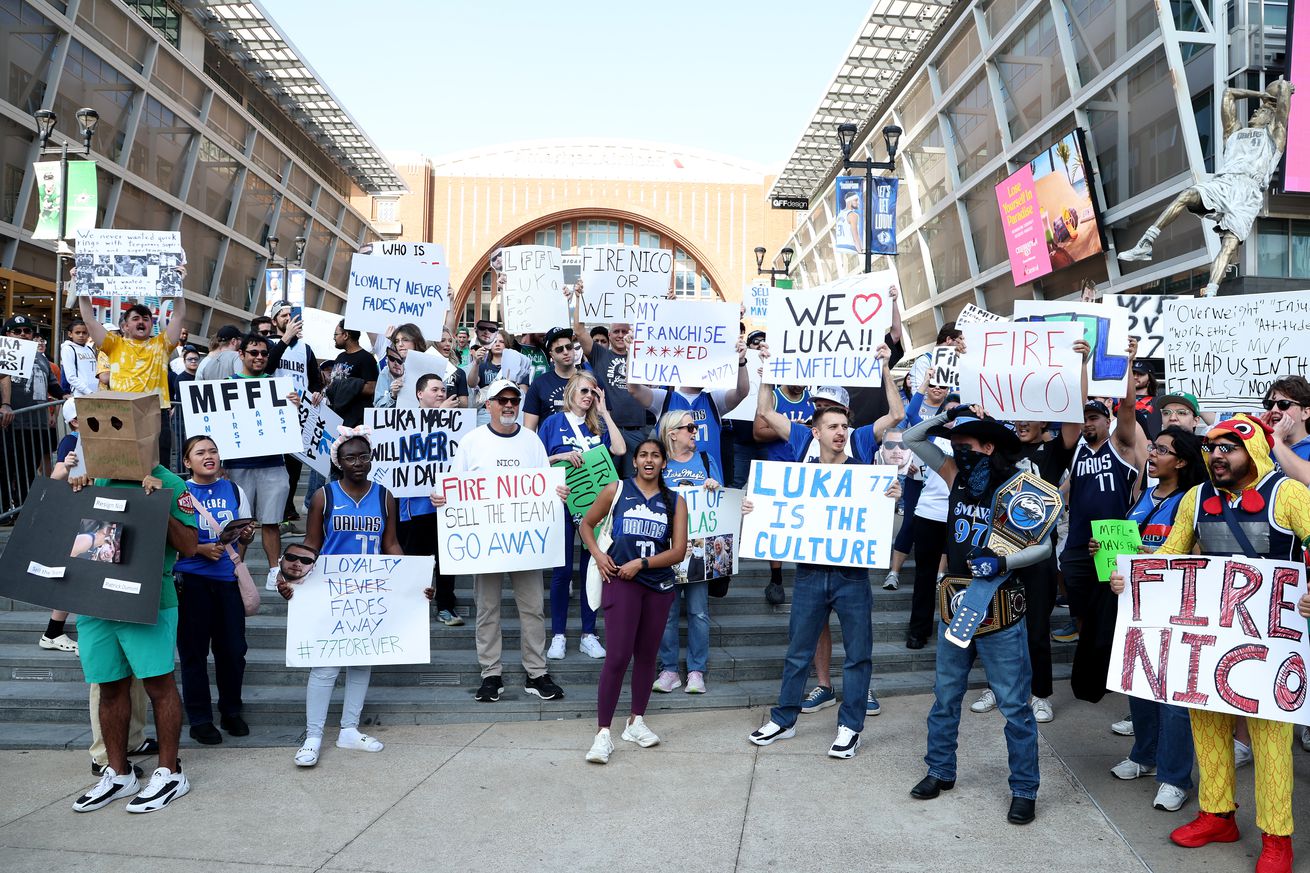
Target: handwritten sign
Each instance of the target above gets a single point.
(945, 368)
(1025, 371)
(834, 514)
(1213, 633)
(683, 343)
(360, 610)
(745, 411)
(17, 357)
(828, 335)
(1145, 320)
(756, 298)
(128, 263)
(533, 300)
(319, 328)
(1228, 350)
(384, 291)
(417, 365)
(586, 482)
(501, 521)
(1106, 330)
(318, 433)
(424, 252)
(614, 277)
(971, 314)
(413, 448)
(1116, 536)
(246, 418)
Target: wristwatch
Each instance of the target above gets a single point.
(645, 563)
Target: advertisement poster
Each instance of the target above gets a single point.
(848, 229)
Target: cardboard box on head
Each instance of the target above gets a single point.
(119, 434)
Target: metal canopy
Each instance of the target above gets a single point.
(887, 45)
(257, 45)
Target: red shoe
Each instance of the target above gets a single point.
(1276, 857)
(1208, 828)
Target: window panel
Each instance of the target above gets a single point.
(201, 243)
(1300, 250)
(89, 81)
(1032, 74)
(956, 58)
(120, 31)
(941, 234)
(910, 270)
(985, 220)
(237, 287)
(27, 45)
(173, 76)
(138, 210)
(1272, 248)
(977, 139)
(256, 209)
(1104, 30)
(159, 152)
(928, 156)
(215, 178)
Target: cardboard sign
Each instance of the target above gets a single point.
(683, 343)
(533, 301)
(1106, 330)
(1213, 633)
(413, 448)
(128, 263)
(246, 418)
(1229, 350)
(383, 292)
(37, 566)
(423, 252)
(1145, 320)
(360, 610)
(713, 520)
(318, 433)
(1116, 537)
(586, 482)
(833, 514)
(613, 273)
(971, 314)
(756, 298)
(501, 521)
(1023, 371)
(119, 434)
(293, 366)
(17, 357)
(828, 335)
(945, 368)
(417, 365)
(319, 326)
(745, 411)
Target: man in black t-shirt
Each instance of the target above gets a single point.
(546, 393)
(354, 376)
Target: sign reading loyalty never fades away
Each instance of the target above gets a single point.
(1213, 633)
(246, 418)
(501, 521)
(828, 335)
(683, 343)
(384, 291)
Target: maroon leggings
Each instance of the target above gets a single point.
(634, 623)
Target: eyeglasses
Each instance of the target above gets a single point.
(298, 559)
(1221, 448)
(256, 354)
(507, 401)
(1284, 405)
(559, 350)
(1156, 449)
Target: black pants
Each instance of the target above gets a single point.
(293, 475)
(929, 546)
(210, 615)
(418, 536)
(1039, 592)
(1096, 607)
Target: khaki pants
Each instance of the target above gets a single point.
(529, 599)
(136, 731)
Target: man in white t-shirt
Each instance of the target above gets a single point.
(501, 443)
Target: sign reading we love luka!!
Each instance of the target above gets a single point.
(828, 335)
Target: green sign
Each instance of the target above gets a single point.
(586, 482)
(82, 198)
(785, 283)
(1116, 537)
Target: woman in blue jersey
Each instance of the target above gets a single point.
(351, 516)
(650, 537)
(685, 467)
(1162, 733)
(583, 424)
(210, 612)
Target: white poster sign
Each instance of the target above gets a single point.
(246, 418)
(1023, 371)
(128, 263)
(293, 366)
(683, 343)
(756, 298)
(945, 368)
(1145, 320)
(713, 522)
(417, 365)
(319, 327)
(533, 299)
(318, 433)
(501, 521)
(833, 514)
(745, 411)
(828, 335)
(1106, 329)
(614, 276)
(971, 314)
(17, 357)
(361, 610)
(1215, 633)
(413, 448)
(383, 292)
(423, 252)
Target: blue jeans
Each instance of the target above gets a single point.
(1162, 738)
(697, 596)
(819, 591)
(1005, 658)
(561, 580)
(742, 455)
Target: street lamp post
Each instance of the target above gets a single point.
(87, 119)
(773, 272)
(891, 135)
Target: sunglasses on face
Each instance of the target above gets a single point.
(1283, 405)
(559, 350)
(391, 360)
(893, 445)
(689, 428)
(592, 391)
(1221, 448)
(298, 559)
(507, 401)
(258, 354)
(25, 331)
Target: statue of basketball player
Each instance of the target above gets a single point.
(1235, 196)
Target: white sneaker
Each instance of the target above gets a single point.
(846, 743)
(1169, 798)
(771, 733)
(601, 747)
(695, 682)
(1139, 252)
(666, 682)
(637, 732)
(589, 646)
(111, 787)
(985, 703)
(164, 787)
(1241, 754)
(1123, 728)
(892, 582)
(61, 643)
(351, 738)
(1305, 739)
(307, 755)
(1042, 711)
(556, 650)
(1130, 769)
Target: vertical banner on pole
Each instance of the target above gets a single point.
(848, 229)
(884, 215)
(81, 203)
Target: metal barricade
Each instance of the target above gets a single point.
(27, 450)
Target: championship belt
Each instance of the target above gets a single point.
(1024, 512)
(1008, 605)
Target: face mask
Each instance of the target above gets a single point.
(975, 468)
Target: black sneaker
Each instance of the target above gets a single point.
(206, 734)
(235, 725)
(489, 691)
(775, 594)
(544, 687)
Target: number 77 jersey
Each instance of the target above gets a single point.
(1100, 486)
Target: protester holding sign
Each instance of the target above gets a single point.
(391, 378)
(32, 437)
(608, 355)
(950, 337)
(493, 362)
(583, 424)
(77, 360)
(649, 529)
(1247, 507)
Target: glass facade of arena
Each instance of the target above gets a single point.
(1006, 79)
(186, 141)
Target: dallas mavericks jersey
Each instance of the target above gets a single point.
(1100, 486)
(223, 502)
(797, 411)
(351, 528)
(705, 415)
(642, 529)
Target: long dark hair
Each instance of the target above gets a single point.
(1187, 448)
(670, 499)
